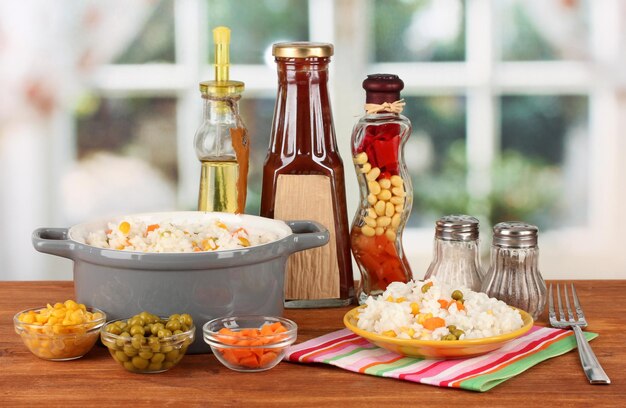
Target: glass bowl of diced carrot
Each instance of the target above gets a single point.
(59, 332)
(250, 343)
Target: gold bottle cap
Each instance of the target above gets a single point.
(302, 50)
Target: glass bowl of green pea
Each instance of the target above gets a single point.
(146, 343)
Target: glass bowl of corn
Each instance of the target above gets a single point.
(59, 332)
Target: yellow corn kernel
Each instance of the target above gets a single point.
(220, 224)
(384, 195)
(415, 308)
(401, 299)
(421, 318)
(396, 181)
(366, 168)
(370, 221)
(244, 241)
(360, 158)
(373, 187)
(383, 221)
(408, 331)
(124, 227)
(390, 299)
(373, 174)
(368, 231)
(385, 183)
(490, 312)
(390, 209)
(389, 333)
(27, 318)
(398, 191)
(379, 207)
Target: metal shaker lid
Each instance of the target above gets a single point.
(515, 234)
(457, 228)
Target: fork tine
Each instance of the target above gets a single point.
(551, 314)
(558, 302)
(579, 309)
(570, 312)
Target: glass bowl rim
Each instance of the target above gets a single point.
(214, 336)
(174, 337)
(97, 324)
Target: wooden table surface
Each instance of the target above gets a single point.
(200, 380)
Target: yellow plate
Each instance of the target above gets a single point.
(437, 349)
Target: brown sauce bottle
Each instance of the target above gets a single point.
(303, 176)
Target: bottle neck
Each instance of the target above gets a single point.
(303, 122)
(221, 109)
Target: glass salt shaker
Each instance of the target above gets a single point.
(514, 276)
(456, 258)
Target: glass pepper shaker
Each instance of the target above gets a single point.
(456, 257)
(386, 194)
(514, 276)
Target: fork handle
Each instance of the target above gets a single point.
(591, 366)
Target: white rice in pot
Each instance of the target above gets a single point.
(402, 310)
(137, 235)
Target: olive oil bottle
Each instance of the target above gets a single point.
(221, 141)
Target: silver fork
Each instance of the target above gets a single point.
(591, 366)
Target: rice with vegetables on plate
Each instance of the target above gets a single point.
(432, 310)
(214, 235)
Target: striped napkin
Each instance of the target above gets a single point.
(351, 352)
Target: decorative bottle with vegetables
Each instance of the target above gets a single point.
(386, 194)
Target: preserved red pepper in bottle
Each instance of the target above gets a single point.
(303, 176)
(386, 194)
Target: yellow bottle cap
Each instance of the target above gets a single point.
(222, 85)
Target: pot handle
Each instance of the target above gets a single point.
(53, 241)
(308, 234)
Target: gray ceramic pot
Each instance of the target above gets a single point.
(204, 284)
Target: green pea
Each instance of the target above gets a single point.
(166, 348)
(155, 366)
(168, 364)
(120, 356)
(449, 337)
(186, 320)
(156, 327)
(173, 325)
(157, 358)
(146, 354)
(164, 333)
(138, 341)
(130, 351)
(457, 295)
(154, 344)
(140, 363)
(451, 328)
(174, 317)
(114, 329)
(426, 287)
(171, 356)
(136, 329)
(129, 365)
(457, 333)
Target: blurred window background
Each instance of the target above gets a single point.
(515, 106)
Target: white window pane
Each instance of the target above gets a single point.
(256, 25)
(155, 41)
(418, 30)
(543, 29)
(542, 173)
(435, 157)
